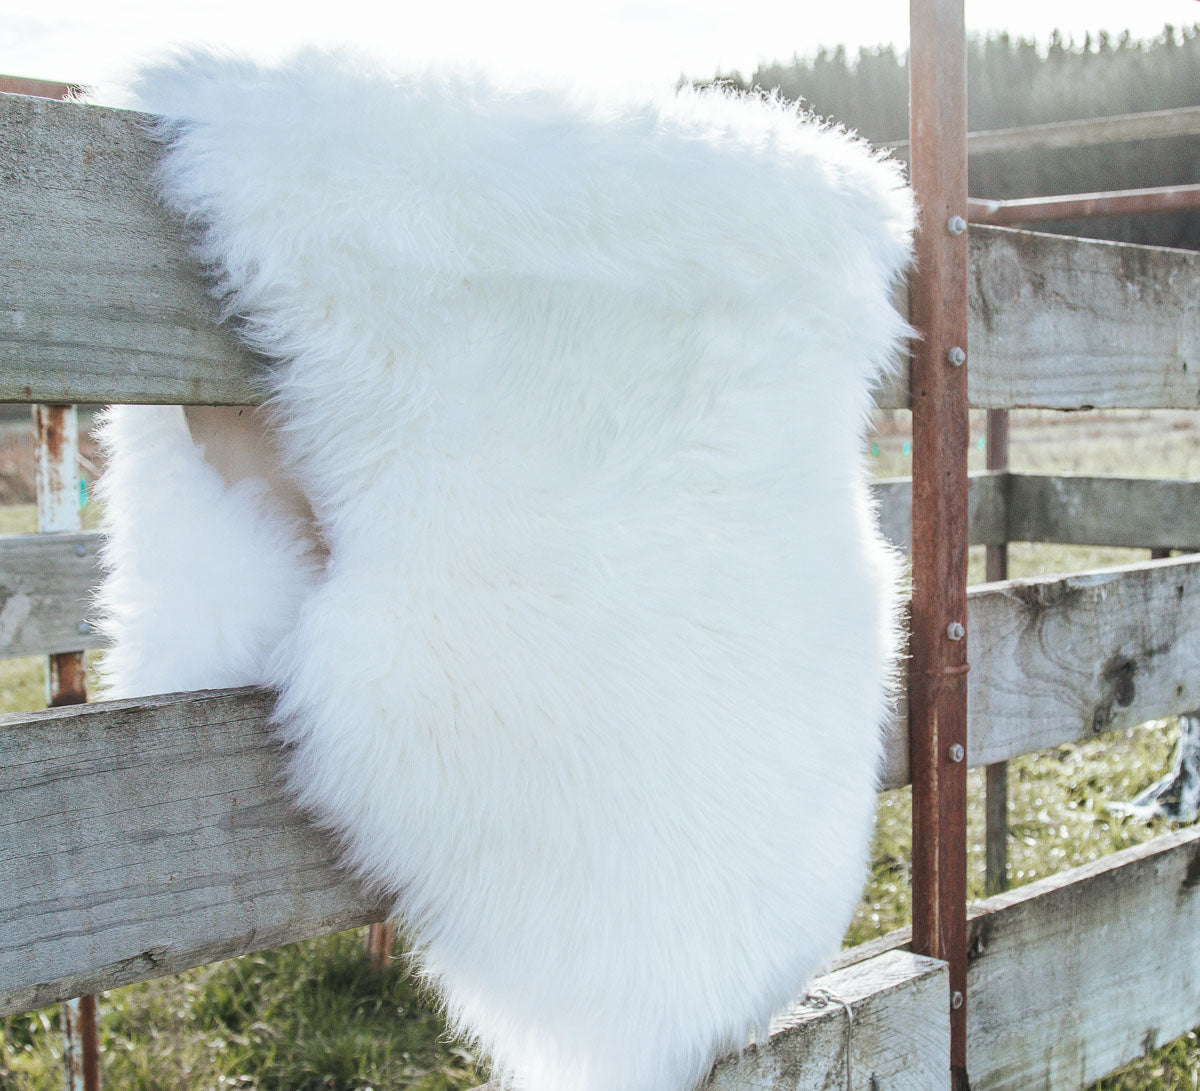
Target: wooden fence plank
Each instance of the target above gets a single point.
(1104, 511)
(899, 1037)
(144, 837)
(1077, 974)
(100, 300)
(101, 303)
(1062, 658)
(1055, 660)
(46, 584)
(1063, 323)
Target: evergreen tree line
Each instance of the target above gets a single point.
(1011, 82)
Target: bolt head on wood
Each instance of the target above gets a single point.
(956, 225)
(956, 356)
(957, 753)
(955, 630)
(956, 1000)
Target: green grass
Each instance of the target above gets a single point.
(308, 1017)
(311, 1016)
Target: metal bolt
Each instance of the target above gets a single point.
(956, 356)
(957, 753)
(955, 631)
(84, 627)
(81, 550)
(956, 1000)
(956, 225)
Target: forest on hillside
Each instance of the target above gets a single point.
(1013, 82)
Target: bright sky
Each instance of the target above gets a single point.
(602, 42)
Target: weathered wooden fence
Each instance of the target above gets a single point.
(144, 837)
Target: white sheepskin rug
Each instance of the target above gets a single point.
(554, 538)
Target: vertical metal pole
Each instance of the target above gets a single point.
(996, 789)
(56, 446)
(380, 940)
(941, 433)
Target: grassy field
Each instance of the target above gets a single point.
(312, 1016)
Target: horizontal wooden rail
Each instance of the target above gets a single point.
(1075, 975)
(1063, 658)
(1066, 509)
(1147, 513)
(1064, 323)
(144, 837)
(897, 1030)
(101, 302)
(1085, 133)
(46, 587)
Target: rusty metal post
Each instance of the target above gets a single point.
(941, 436)
(381, 938)
(56, 433)
(996, 788)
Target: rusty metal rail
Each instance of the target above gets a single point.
(1082, 206)
(1083, 133)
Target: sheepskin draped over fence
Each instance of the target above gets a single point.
(551, 536)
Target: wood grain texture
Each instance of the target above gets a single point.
(1104, 511)
(1075, 975)
(900, 1034)
(1056, 660)
(1062, 323)
(46, 584)
(99, 301)
(102, 304)
(144, 837)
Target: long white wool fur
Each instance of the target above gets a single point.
(593, 678)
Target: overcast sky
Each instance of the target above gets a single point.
(623, 42)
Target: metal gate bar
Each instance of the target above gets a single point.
(938, 689)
